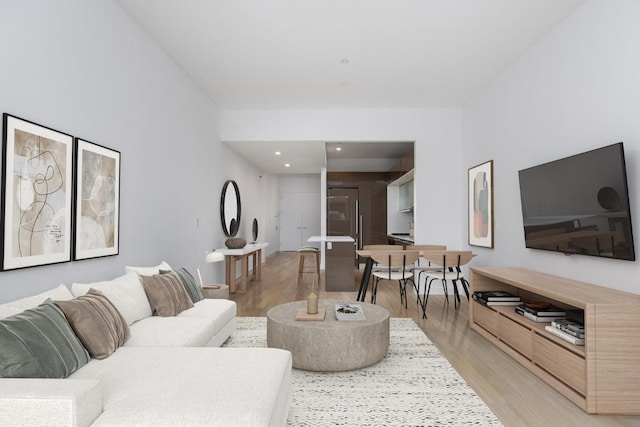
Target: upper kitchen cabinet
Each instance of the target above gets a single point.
(405, 191)
(405, 203)
(400, 197)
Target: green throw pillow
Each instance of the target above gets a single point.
(189, 283)
(39, 343)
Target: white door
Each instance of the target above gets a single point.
(299, 219)
(310, 217)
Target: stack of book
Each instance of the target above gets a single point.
(496, 298)
(568, 330)
(540, 312)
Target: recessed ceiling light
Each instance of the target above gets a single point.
(338, 148)
(286, 165)
(277, 153)
(344, 61)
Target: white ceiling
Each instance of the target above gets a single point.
(288, 54)
(311, 156)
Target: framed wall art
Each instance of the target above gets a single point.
(481, 205)
(36, 207)
(97, 201)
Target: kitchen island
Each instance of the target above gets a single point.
(339, 273)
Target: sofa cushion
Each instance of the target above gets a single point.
(189, 283)
(39, 343)
(97, 322)
(125, 292)
(166, 294)
(193, 386)
(221, 311)
(158, 331)
(148, 271)
(14, 307)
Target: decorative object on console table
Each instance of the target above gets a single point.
(235, 243)
(36, 194)
(481, 205)
(97, 201)
(209, 257)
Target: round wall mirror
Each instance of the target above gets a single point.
(230, 208)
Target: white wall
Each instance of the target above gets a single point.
(85, 68)
(440, 208)
(576, 90)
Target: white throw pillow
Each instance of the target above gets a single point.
(125, 292)
(149, 271)
(60, 293)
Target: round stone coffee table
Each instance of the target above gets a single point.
(329, 345)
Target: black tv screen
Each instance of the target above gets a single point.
(579, 205)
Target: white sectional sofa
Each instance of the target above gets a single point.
(170, 372)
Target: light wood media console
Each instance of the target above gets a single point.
(603, 376)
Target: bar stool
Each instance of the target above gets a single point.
(314, 254)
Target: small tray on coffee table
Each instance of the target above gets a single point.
(302, 314)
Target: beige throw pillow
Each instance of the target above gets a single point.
(166, 294)
(97, 323)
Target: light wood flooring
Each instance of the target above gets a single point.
(517, 397)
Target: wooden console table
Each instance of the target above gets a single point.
(603, 376)
(231, 256)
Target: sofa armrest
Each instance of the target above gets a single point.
(39, 402)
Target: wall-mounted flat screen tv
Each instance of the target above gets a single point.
(579, 205)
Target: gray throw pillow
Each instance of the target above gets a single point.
(166, 294)
(189, 283)
(39, 343)
(97, 322)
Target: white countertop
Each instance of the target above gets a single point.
(337, 239)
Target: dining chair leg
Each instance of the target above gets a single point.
(456, 294)
(418, 286)
(415, 288)
(446, 291)
(465, 286)
(374, 289)
(426, 297)
(404, 293)
(400, 289)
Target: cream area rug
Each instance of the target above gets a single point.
(414, 385)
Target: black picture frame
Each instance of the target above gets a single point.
(96, 201)
(37, 184)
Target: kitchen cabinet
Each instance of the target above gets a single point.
(406, 197)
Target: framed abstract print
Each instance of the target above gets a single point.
(97, 201)
(37, 189)
(481, 205)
